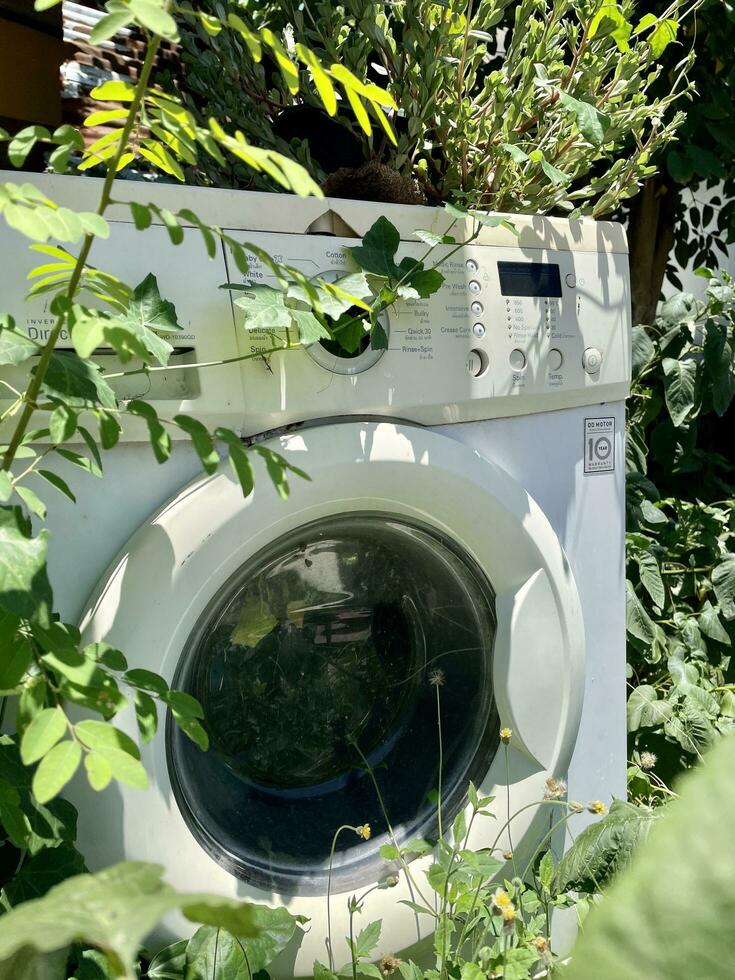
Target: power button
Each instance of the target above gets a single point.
(592, 360)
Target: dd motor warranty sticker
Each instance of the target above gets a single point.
(599, 445)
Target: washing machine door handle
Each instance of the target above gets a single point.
(537, 673)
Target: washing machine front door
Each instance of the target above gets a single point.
(356, 649)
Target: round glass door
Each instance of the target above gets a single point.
(322, 666)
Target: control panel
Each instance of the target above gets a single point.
(510, 331)
(521, 324)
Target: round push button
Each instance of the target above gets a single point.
(555, 359)
(474, 286)
(472, 265)
(477, 307)
(478, 329)
(591, 360)
(570, 279)
(517, 360)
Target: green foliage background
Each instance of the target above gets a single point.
(681, 537)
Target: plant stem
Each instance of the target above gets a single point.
(391, 832)
(46, 354)
(345, 826)
(441, 761)
(353, 961)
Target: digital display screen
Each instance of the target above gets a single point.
(529, 279)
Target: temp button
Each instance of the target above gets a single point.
(517, 359)
(555, 359)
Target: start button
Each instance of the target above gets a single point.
(592, 360)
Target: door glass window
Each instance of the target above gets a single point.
(319, 667)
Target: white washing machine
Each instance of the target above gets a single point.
(464, 514)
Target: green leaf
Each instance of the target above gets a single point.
(170, 962)
(251, 39)
(105, 654)
(94, 224)
(432, 239)
(663, 35)
(56, 481)
(310, 328)
(160, 439)
(146, 715)
(547, 870)
(149, 313)
(33, 502)
(142, 216)
(152, 15)
(263, 931)
(214, 952)
(78, 382)
(239, 460)
(555, 175)
(44, 870)
(651, 580)
(320, 77)
(652, 514)
(516, 154)
(79, 459)
(106, 27)
(125, 768)
(116, 908)
(55, 770)
(101, 736)
(518, 963)
(668, 935)
(638, 622)
(471, 971)
(604, 848)
(62, 423)
(15, 346)
(723, 582)
(377, 253)
(23, 142)
(679, 386)
(643, 349)
(710, 625)
(426, 282)
(183, 704)
(147, 680)
(114, 92)
(367, 940)
(200, 440)
(46, 729)
(37, 826)
(264, 308)
(645, 710)
(192, 729)
(24, 588)
(15, 652)
(99, 770)
(590, 121)
(109, 429)
(609, 21)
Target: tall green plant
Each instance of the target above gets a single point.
(528, 106)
